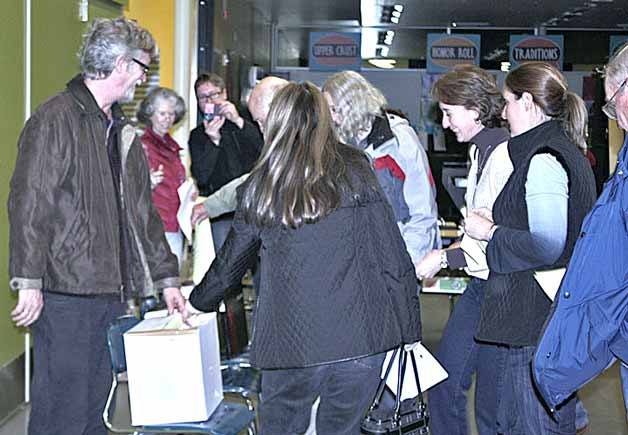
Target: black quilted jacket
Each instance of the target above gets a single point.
(338, 289)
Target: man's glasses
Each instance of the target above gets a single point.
(610, 108)
(142, 65)
(211, 97)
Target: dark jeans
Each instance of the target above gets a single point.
(525, 413)
(346, 390)
(462, 355)
(72, 369)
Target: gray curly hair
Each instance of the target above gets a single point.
(106, 40)
(356, 101)
(149, 105)
(617, 68)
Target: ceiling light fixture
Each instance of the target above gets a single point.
(391, 14)
(383, 63)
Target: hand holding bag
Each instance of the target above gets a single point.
(408, 417)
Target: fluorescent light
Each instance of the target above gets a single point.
(384, 51)
(383, 63)
(394, 20)
(505, 66)
(396, 14)
(398, 8)
(390, 33)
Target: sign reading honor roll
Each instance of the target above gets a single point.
(526, 48)
(333, 51)
(446, 51)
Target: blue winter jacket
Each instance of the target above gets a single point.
(589, 324)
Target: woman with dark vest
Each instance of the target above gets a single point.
(533, 226)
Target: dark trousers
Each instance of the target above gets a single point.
(525, 413)
(461, 355)
(346, 390)
(72, 369)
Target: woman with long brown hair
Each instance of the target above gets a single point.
(333, 297)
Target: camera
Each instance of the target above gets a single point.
(212, 112)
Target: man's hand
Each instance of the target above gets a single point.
(429, 265)
(29, 305)
(212, 128)
(229, 111)
(175, 301)
(199, 213)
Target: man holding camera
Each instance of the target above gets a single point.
(223, 147)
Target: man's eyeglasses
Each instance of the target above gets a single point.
(142, 65)
(211, 97)
(610, 108)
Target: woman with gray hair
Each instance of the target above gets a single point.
(358, 111)
(160, 111)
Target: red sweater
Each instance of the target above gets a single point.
(165, 151)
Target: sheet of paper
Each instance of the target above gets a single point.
(184, 215)
(550, 280)
(203, 250)
(430, 372)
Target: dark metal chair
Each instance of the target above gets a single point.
(229, 418)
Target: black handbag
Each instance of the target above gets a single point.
(406, 417)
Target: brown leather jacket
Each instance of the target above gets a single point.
(64, 234)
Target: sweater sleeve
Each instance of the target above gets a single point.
(512, 250)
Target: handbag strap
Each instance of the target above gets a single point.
(403, 357)
(382, 383)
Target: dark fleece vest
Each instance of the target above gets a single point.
(515, 307)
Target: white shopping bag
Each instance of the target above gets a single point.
(173, 369)
(430, 372)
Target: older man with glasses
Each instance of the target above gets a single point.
(85, 236)
(588, 329)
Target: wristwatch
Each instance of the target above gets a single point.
(444, 264)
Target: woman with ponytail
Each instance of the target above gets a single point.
(533, 227)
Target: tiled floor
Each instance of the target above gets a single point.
(602, 397)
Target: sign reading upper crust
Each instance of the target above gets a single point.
(334, 51)
(527, 48)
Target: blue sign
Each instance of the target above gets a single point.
(530, 48)
(444, 51)
(334, 51)
(616, 42)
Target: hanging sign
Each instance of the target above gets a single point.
(530, 48)
(616, 42)
(334, 51)
(444, 51)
